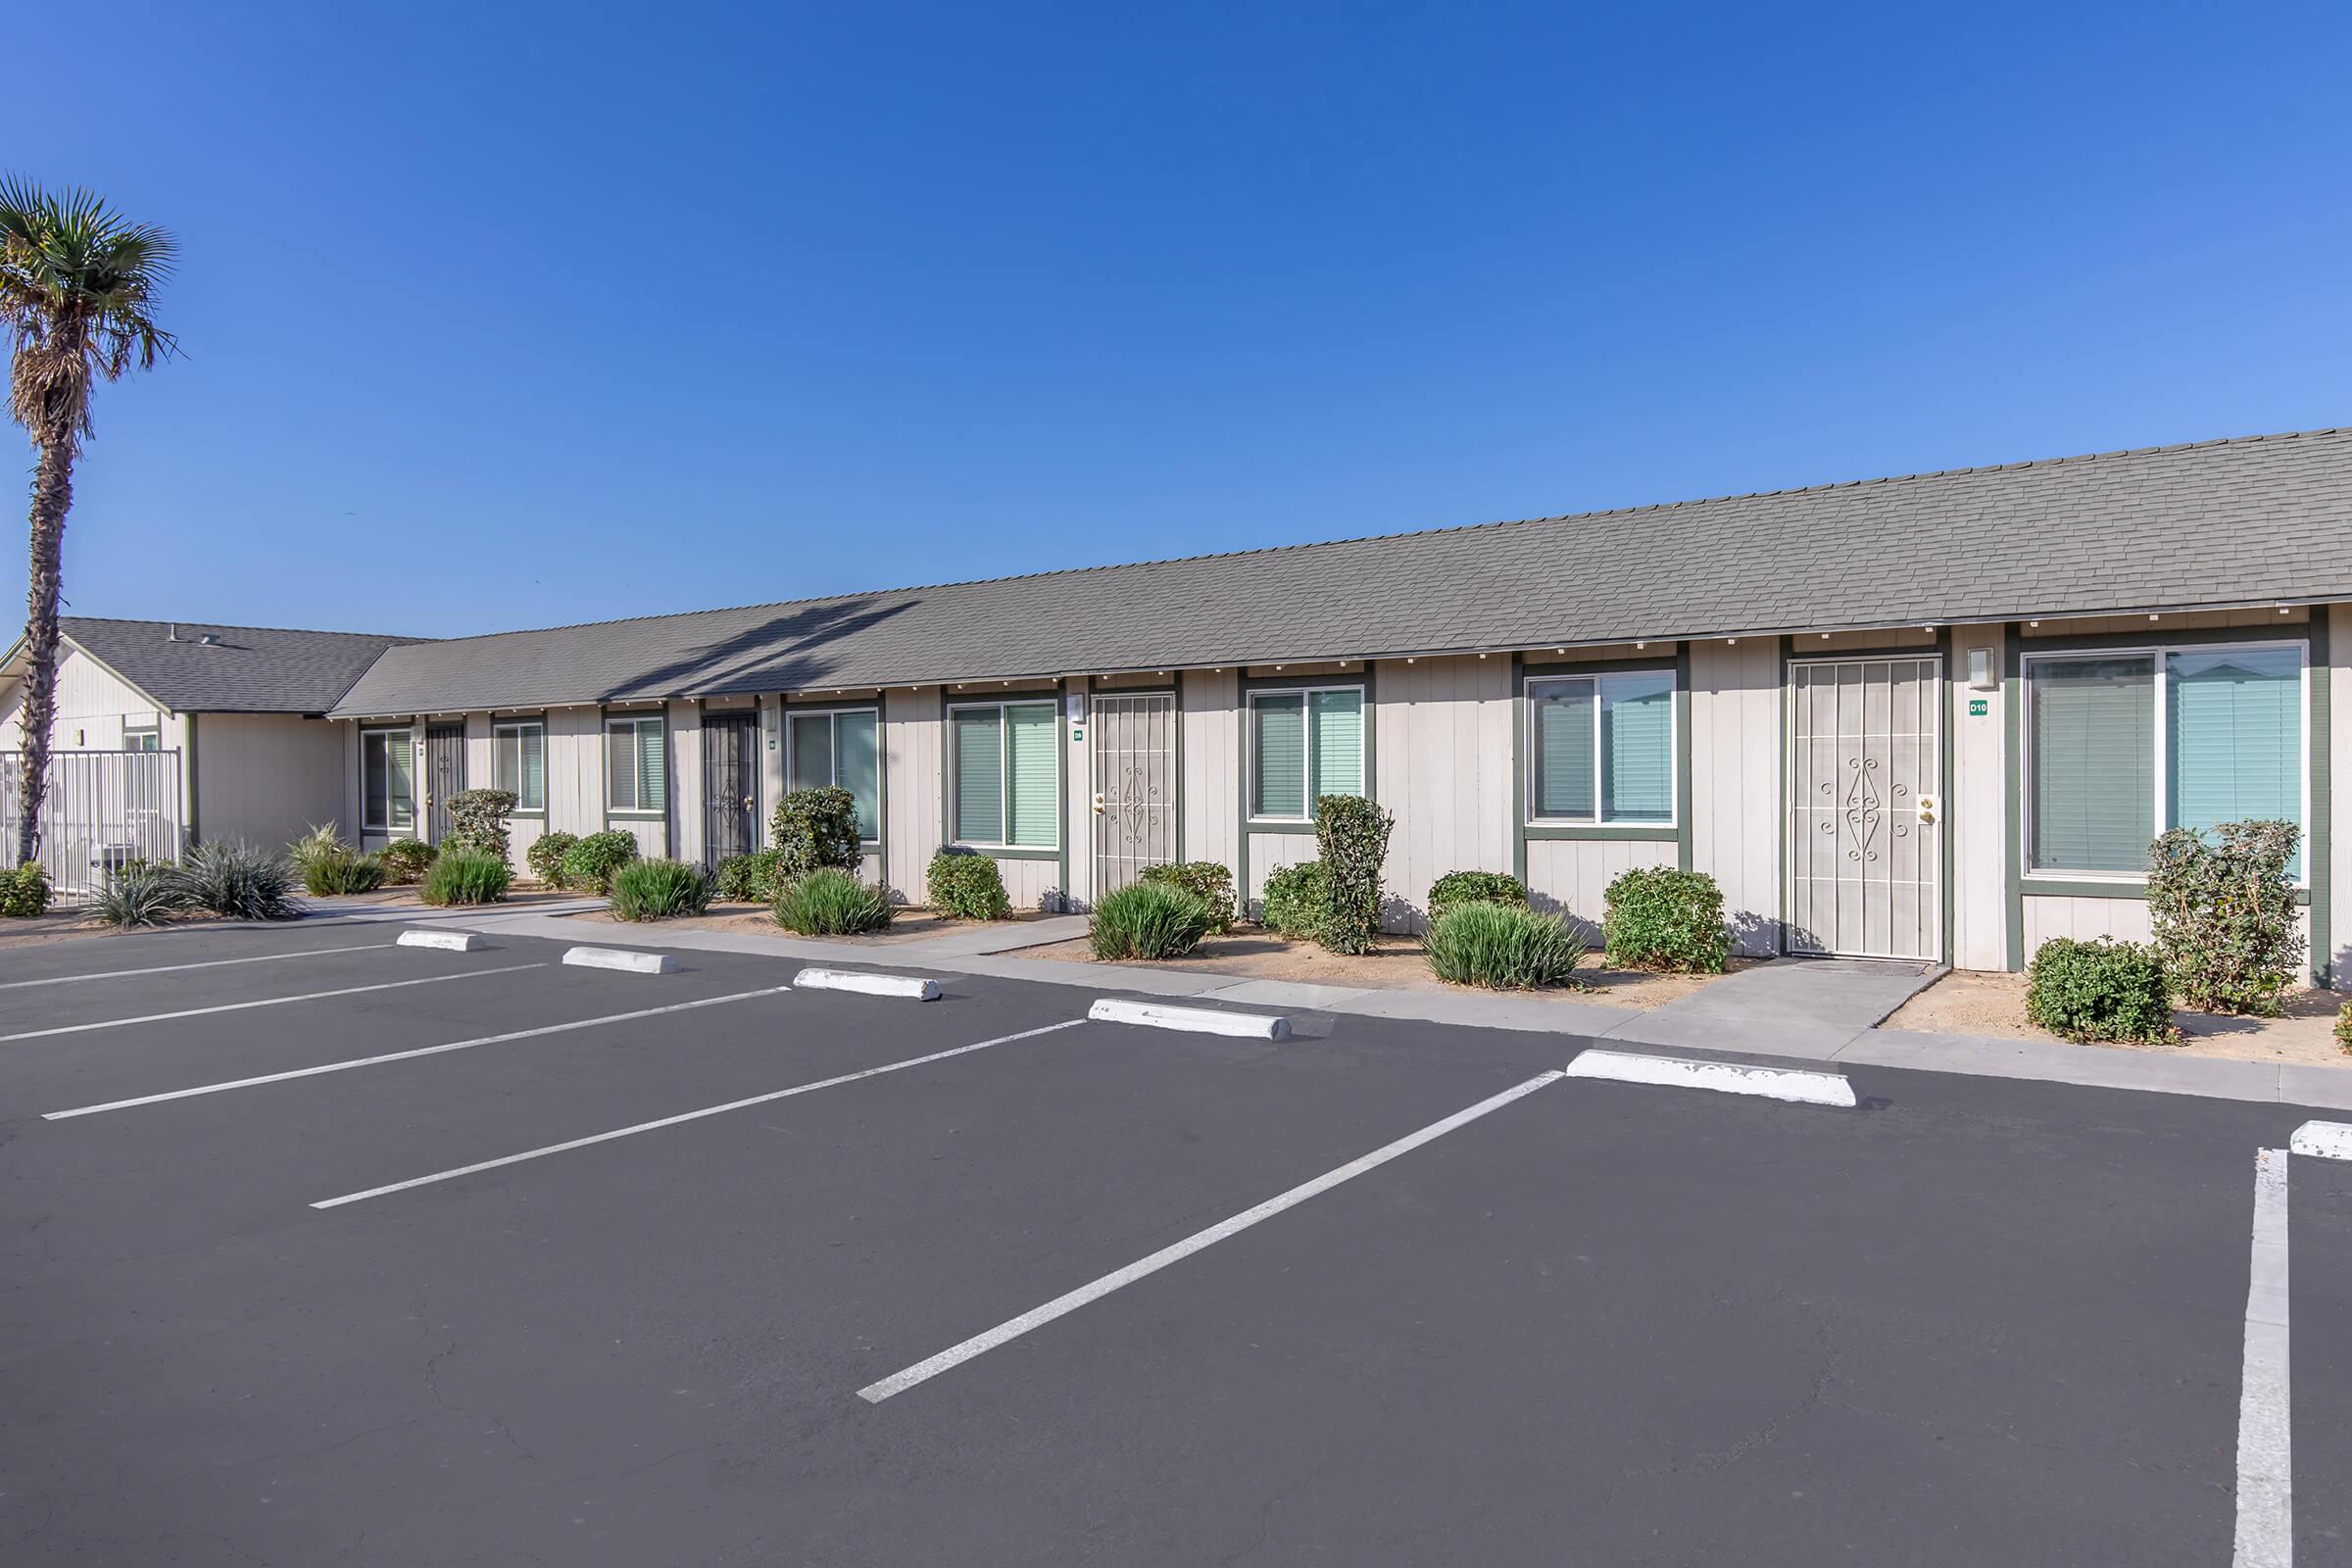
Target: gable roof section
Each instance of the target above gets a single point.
(244, 669)
(2248, 520)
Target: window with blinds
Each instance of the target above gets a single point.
(1600, 748)
(518, 764)
(388, 781)
(636, 766)
(1004, 786)
(1304, 745)
(2121, 746)
(841, 749)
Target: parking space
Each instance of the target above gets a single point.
(621, 1252)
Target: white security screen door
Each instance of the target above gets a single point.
(1134, 786)
(1865, 808)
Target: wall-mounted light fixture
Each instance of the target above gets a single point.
(1980, 670)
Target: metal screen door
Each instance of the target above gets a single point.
(1865, 808)
(444, 774)
(730, 785)
(1135, 784)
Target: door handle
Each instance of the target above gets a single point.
(748, 802)
(1100, 806)
(1928, 808)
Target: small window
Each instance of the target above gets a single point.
(1600, 748)
(519, 762)
(1006, 787)
(842, 750)
(388, 781)
(636, 766)
(1304, 745)
(142, 740)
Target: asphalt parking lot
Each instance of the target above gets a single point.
(370, 1255)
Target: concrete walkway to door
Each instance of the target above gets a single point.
(1791, 1007)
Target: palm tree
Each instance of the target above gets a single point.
(78, 282)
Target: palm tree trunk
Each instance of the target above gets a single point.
(52, 496)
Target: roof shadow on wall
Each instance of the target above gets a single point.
(790, 652)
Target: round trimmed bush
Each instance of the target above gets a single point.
(406, 860)
(1457, 888)
(1503, 947)
(659, 890)
(589, 863)
(829, 901)
(748, 878)
(1662, 918)
(965, 886)
(1298, 901)
(466, 876)
(546, 854)
(2099, 990)
(24, 892)
(1150, 920)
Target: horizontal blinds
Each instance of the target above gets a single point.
(531, 796)
(858, 768)
(1335, 726)
(653, 772)
(1035, 759)
(811, 750)
(1561, 712)
(620, 767)
(2233, 725)
(400, 772)
(977, 737)
(2093, 785)
(1278, 761)
(1637, 748)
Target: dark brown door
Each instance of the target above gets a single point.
(444, 774)
(730, 785)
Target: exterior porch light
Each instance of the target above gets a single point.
(2155, 618)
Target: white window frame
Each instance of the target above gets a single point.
(1005, 776)
(633, 722)
(1306, 744)
(1529, 747)
(833, 758)
(2161, 794)
(500, 731)
(134, 732)
(409, 731)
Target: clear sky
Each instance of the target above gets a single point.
(500, 317)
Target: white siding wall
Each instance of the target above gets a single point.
(266, 777)
(686, 781)
(1976, 816)
(1269, 852)
(1211, 795)
(575, 772)
(1441, 737)
(2083, 919)
(1572, 874)
(914, 736)
(1736, 710)
(2339, 777)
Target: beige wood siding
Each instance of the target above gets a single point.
(1442, 741)
(93, 709)
(1737, 830)
(266, 778)
(2339, 781)
(1571, 875)
(1209, 734)
(1977, 813)
(1027, 882)
(912, 779)
(575, 772)
(686, 781)
(1270, 852)
(2083, 919)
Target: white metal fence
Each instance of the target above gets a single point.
(102, 809)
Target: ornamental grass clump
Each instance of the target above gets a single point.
(2222, 905)
(329, 868)
(965, 886)
(829, 901)
(1206, 880)
(2099, 990)
(1148, 920)
(464, 877)
(1457, 888)
(659, 890)
(139, 896)
(230, 877)
(1660, 918)
(1503, 947)
(1351, 838)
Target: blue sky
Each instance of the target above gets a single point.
(499, 318)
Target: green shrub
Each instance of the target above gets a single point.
(2343, 1027)
(1661, 919)
(1457, 888)
(966, 886)
(1207, 881)
(658, 890)
(230, 877)
(464, 876)
(1351, 836)
(589, 862)
(546, 854)
(340, 874)
(830, 902)
(139, 895)
(406, 860)
(477, 823)
(748, 878)
(2224, 908)
(1297, 901)
(2101, 990)
(324, 842)
(811, 829)
(1150, 920)
(1504, 946)
(24, 892)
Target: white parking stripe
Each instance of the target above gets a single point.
(266, 1001)
(1062, 1306)
(174, 968)
(686, 1117)
(409, 1055)
(2266, 1468)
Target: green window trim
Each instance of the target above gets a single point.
(1304, 742)
(1603, 749)
(519, 762)
(851, 745)
(388, 780)
(1005, 775)
(637, 766)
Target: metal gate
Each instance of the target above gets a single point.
(444, 775)
(1134, 786)
(1865, 808)
(103, 808)
(730, 785)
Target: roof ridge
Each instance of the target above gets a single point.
(231, 625)
(1414, 534)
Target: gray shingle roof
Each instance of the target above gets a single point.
(2248, 520)
(244, 669)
